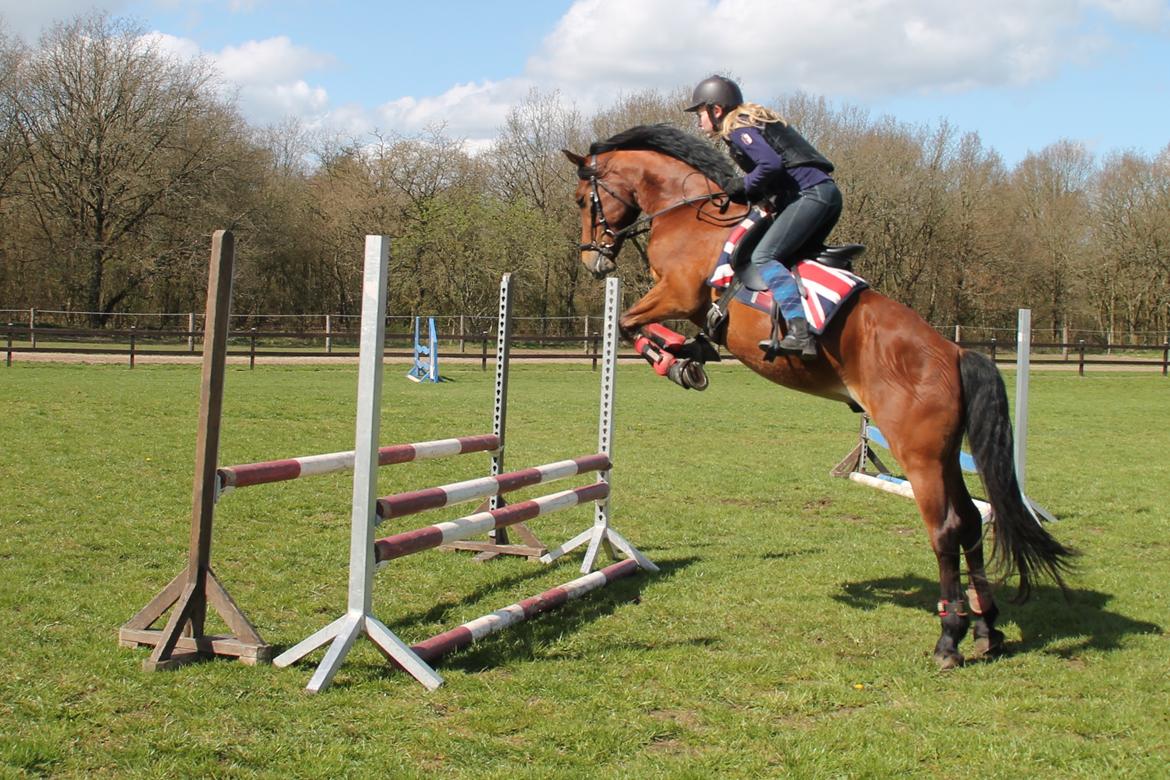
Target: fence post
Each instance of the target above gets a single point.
(1109, 341)
(595, 356)
(252, 350)
(132, 346)
(1165, 357)
(328, 334)
(1081, 362)
(32, 327)
(483, 359)
(958, 334)
(586, 344)
(1064, 343)
(8, 354)
(462, 335)
(993, 346)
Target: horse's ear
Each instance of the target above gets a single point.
(576, 159)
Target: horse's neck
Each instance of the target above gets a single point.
(660, 187)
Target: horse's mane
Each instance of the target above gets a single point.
(674, 143)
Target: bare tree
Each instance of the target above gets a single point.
(1052, 205)
(1130, 268)
(11, 150)
(119, 138)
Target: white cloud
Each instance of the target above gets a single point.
(270, 61)
(1143, 12)
(267, 76)
(172, 46)
(852, 48)
(271, 102)
(28, 20)
(468, 110)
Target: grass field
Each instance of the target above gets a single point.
(788, 634)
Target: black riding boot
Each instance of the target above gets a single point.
(798, 340)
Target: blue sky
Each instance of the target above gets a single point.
(1021, 73)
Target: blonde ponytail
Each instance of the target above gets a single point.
(748, 115)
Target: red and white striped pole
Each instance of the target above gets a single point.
(312, 465)
(409, 542)
(436, 647)
(412, 502)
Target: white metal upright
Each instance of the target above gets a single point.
(358, 619)
(1023, 377)
(602, 533)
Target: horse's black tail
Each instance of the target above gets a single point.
(1022, 544)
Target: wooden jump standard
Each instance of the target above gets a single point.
(368, 511)
(187, 595)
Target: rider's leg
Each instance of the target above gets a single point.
(809, 217)
(787, 296)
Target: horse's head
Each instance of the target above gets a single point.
(607, 207)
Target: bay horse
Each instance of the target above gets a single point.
(922, 390)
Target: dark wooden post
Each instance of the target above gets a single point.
(1165, 357)
(483, 357)
(1081, 362)
(252, 350)
(8, 353)
(131, 346)
(994, 343)
(197, 586)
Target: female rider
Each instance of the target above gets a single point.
(785, 168)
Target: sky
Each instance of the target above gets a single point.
(1022, 74)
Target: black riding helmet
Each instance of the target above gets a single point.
(716, 91)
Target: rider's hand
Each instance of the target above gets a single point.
(736, 192)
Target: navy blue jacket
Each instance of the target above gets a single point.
(768, 173)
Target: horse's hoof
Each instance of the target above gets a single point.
(948, 661)
(989, 646)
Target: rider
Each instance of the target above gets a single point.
(782, 166)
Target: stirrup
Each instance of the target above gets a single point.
(771, 345)
(807, 349)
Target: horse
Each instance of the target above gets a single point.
(877, 355)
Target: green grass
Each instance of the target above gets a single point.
(789, 632)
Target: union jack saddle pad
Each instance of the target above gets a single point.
(823, 290)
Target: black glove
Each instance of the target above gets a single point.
(736, 192)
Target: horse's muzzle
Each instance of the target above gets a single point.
(599, 264)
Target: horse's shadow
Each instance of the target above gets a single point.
(1048, 623)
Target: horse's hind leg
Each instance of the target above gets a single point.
(945, 528)
(980, 599)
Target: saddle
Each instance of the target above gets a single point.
(839, 256)
(823, 275)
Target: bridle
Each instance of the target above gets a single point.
(608, 250)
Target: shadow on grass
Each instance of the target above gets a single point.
(786, 554)
(1079, 623)
(536, 635)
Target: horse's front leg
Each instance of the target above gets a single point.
(663, 302)
(668, 352)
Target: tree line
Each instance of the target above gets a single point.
(118, 161)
